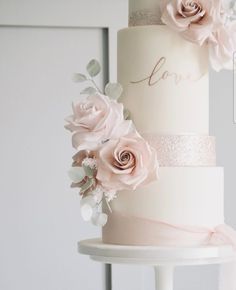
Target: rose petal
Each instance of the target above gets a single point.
(222, 46)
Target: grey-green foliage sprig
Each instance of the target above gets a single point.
(230, 6)
(93, 68)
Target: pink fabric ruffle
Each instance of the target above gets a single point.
(129, 230)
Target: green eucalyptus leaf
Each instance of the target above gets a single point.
(87, 205)
(87, 185)
(79, 78)
(93, 68)
(76, 174)
(126, 114)
(113, 90)
(90, 172)
(88, 91)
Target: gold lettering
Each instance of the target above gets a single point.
(157, 75)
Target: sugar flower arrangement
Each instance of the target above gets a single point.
(111, 155)
(205, 22)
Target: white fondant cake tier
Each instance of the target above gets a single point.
(189, 196)
(165, 81)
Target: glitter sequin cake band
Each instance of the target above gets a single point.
(145, 17)
(183, 150)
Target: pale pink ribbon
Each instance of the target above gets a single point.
(130, 230)
(141, 231)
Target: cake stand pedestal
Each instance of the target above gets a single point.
(163, 259)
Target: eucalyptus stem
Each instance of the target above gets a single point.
(108, 205)
(95, 85)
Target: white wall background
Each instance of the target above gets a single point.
(39, 214)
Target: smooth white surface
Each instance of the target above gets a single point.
(146, 255)
(182, 195)
(165, 107)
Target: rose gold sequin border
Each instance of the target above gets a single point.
(145, 17)
(183, 150)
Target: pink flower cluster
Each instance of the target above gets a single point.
(203, 22)
(124, 159)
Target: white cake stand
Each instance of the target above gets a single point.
(163, 259)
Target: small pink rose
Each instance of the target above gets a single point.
(96, 120)
(222, 46)
(194, 19)
(126, 163)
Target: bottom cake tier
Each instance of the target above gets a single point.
(182, 197)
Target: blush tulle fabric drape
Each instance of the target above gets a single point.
(131, 230)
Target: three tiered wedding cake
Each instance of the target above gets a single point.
(165, 81)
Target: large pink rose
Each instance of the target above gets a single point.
(194, 19)
(222, 46)
(126, 163)
(96, 120)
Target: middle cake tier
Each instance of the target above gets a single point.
(183, 196)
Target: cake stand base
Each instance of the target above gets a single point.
(163, 259)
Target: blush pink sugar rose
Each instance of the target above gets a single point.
(95, 120)
(222, 46)
(194, 19)
(126, 163)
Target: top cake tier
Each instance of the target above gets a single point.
(144, 12)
